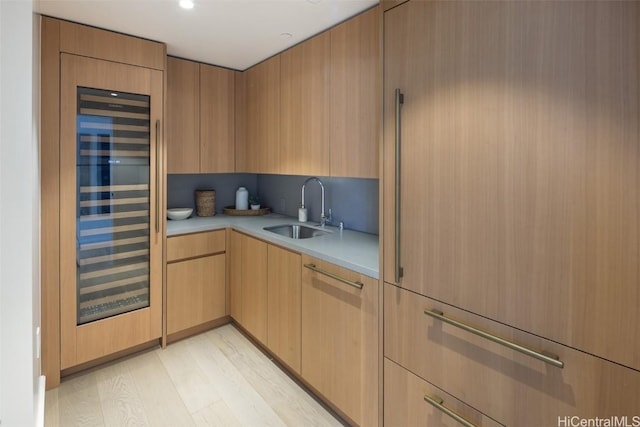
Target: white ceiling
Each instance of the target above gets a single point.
(231, 33)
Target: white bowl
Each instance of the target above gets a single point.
(179, 213)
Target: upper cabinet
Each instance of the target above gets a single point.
(200, 118)
(258, 114)
(356, 96)
(304, 108)
(315, 108)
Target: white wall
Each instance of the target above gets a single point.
(19, 215)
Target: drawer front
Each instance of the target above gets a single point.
(511, 387)
(194, 245)
(406, 405)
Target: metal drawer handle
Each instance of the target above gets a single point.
(398, 184)
(550, 359)
(356, 284)
(158, 178)
(437, 402)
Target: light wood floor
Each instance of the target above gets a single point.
(217, 378)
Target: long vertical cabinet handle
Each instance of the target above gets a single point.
(438, 403)
(398, 198)
(157, 189)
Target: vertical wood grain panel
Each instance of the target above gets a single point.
(521, 164)
(262, 117)
(183, 116)
(217, 120)
(49, 198)
(305, 107)
(254, 287)
(356, 96)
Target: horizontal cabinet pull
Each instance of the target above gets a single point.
(356, 284)
(437, 402)
(550, 359)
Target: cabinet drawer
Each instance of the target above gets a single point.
(524, 391)
(405, 403)
(196, 292)
(194, 245)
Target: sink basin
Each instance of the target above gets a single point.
(296, 231)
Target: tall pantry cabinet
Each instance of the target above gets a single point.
(102, 163)
(511, 220)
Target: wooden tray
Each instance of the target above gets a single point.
(230, 210)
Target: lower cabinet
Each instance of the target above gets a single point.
(411, 401)
(248, 284)
(511, 387)
(340, 338)
(283, 305)
(196, 275)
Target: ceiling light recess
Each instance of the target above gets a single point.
(186, 4)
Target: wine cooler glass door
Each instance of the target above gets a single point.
(110, 221)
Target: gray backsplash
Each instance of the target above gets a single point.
(352, 200)
(181, 188)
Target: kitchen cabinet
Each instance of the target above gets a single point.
(518, 189)
(305, 107)
(258, 118)
(283, 305)
(516, 208)
(248, 284)
(356, 95)
(196, 280)
(102, 290)
(200, 118)
(406, 401)
(525, 391)
(340, 338)
(183, 116)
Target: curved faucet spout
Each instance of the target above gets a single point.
(323, 218)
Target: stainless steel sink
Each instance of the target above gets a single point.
(296, 231)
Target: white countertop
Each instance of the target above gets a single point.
(349, 249)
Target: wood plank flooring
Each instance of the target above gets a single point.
(217, 378)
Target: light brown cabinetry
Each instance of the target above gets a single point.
(196, 274)
(258, 123)
(248, 284)
(340, 338)
(200, 118)
(102, 255)
(315, 108)
(183, 116)
(355, 87)
(525, 391)
(304, 107)
(283, 305)
(519, 165)
(406, 404)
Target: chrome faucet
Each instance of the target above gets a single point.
(323, 217)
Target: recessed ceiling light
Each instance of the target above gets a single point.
(314, 1)
(186, 4)
(286, 35)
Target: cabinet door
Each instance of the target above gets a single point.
(283, 304)
(340, 339)
(217, 120)
(355, 96)
(110, 225)
(304, 117)
(259, 145)
(183, 116)
(519, 164)
(234, 250)
(195, 292)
